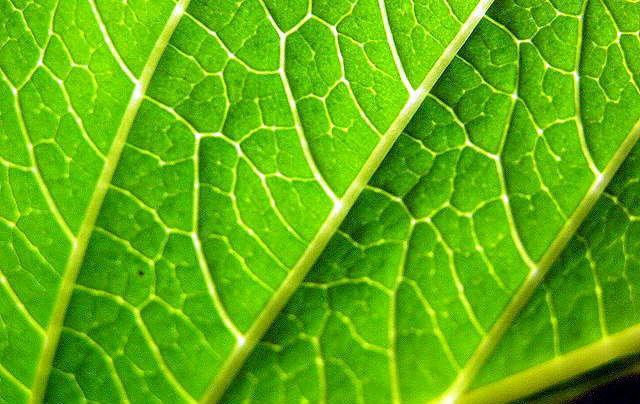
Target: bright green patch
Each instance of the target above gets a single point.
(170, 170)
(465, 216)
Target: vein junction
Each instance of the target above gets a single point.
(236, 120)
(490, 180)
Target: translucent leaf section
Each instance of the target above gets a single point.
(65, 86)
(473, 204)
(170, 171)
(587, 311)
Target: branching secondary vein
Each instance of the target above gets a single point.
(466, 376)
(86, 228)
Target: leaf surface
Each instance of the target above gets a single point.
(461, 222)
(586, 313)
(170, 170)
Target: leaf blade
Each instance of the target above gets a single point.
(591, 344)
(454, 257)
(170, 230)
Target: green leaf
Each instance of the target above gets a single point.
(586, 313)
(472, 207)
(170, 171)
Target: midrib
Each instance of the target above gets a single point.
(329, 227)
(81, 242)
(530, 285)
(558, 369)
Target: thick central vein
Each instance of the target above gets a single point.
(76, 258)
(536, 276)
(560, 368)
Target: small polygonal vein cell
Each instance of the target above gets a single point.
(170, 169)
(470, 209)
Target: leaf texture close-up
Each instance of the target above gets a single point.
(170, 170)
(470, 209)
(416, 200)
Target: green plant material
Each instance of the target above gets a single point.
(419, 295)
(587, 311)
(170, 170)
(593, 384)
